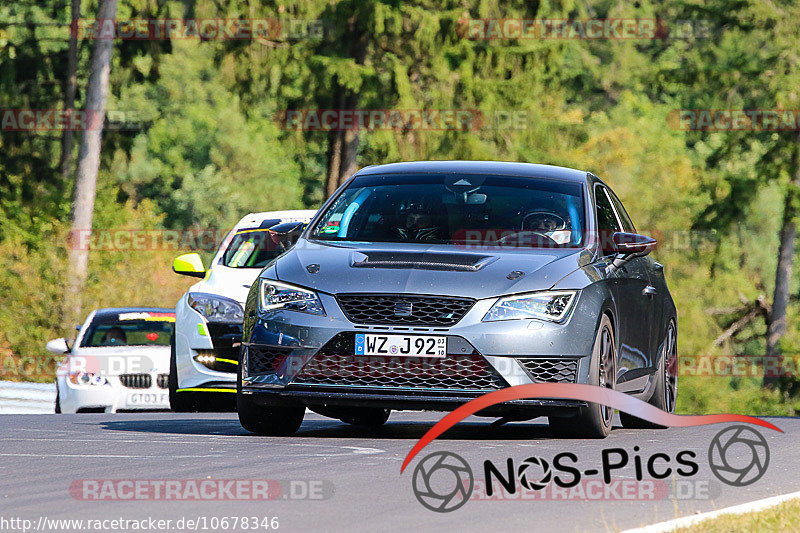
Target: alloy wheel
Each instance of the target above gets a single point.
(607, 369)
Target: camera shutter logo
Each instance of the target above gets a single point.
(526, 475)
(738, 455)
(443, 482)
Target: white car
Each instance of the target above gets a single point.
(119, 362)
(208, 325)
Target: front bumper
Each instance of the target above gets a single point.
(121, 393)
(195, 336)
(297, 358)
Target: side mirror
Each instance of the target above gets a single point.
(58, 346)
(288, 232)
(189, 265)
(633, 244)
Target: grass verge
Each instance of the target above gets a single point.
(784, 517)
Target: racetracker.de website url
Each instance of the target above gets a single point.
(184, 523)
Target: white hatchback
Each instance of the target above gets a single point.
(119, 362)
(208, 326)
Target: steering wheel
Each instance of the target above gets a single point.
(560, 222)
(535, 238)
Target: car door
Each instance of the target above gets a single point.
(629, 282)
(656, 289)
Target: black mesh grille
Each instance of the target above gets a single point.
(162, 380)
(265, 359)
(461, 372)
(394, 309)
(136, 381)
(226, 339)
(334, 364)
(550, 370)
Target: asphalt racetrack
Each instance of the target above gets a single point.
(336, 477)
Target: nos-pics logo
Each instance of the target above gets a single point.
(443, 481)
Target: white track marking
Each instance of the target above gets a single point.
(692, 520)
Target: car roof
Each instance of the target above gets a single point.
(254, 220)
(110, 311)
(505, 168)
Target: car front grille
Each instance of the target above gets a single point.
(162, 380)
(265, 359)
(136, 381)
(404, 309)
(334, 365)
(226, 339)
(543, 370)
(463, 372)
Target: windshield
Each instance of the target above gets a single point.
(136, 328)
(253, 248)
(471, 210)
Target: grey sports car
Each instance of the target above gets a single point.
(423, 285)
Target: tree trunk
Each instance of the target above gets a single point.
(335, 139)
(776, 325)
(349, 164)
(343, 145)
(89, 160)
(334, 156)
(71, 87)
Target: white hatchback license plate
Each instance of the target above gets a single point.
(401, 345)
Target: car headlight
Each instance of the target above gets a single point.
(550, 305)
(277, 295)
(87, 378)
(216, 308)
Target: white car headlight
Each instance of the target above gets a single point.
(277, 295)
(548, 305)
(216, 308)
(87, 378)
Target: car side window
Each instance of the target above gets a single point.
(606, 219)
(627, 223)
(607, 223)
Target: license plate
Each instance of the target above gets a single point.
(148, 398)
(401, 345)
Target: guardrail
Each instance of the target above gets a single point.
(27, 398)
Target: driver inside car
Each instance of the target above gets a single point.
(114, 337)
(418, 221)
(552, 224)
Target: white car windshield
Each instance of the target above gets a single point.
(252, 248)
(134, 328)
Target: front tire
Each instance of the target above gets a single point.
(665, 392)
(58, 401)
(594, 421)
(179, 402)
(274, 421)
